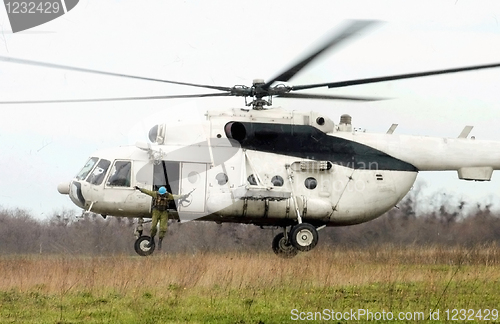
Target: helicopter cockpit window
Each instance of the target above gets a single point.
(120, 174)
(86, 168)
(97, 176)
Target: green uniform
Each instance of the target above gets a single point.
(160, 203)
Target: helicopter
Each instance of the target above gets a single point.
(267, 166)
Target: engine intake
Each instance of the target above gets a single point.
(236, 131)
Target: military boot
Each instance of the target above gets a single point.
(159, 243)
(151, 242)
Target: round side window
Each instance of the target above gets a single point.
(277, 181)
(310, 183)
(221, 178)
(193, 177)
(251, 180)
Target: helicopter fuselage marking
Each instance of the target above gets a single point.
(308, 142)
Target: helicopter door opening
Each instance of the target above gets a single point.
(166, 174)
(193, 177)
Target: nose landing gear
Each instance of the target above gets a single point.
(142, 246)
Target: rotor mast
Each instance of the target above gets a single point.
(259, 92)
(258, 102)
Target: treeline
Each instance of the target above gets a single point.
(64, 233)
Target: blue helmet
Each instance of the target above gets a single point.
(162, 190)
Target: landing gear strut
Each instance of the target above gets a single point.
(139, 228)
(141, 244)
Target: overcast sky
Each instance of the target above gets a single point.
(233, 42)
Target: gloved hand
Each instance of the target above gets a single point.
(137, 188)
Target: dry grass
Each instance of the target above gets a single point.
(245, 287)
(319, 268)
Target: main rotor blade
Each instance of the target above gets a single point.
(78, 69)
(327, 97)
(350, 30)
(115, 99)
(392, 77)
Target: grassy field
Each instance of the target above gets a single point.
(253, 288)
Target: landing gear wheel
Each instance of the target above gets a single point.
(141, 246)
(283, 248)
(304, 237)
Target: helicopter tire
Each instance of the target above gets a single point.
(283, 248)
(304, 237)
(141, 246)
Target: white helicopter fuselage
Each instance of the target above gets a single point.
(271, 167)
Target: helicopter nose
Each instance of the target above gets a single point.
(63, 188)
